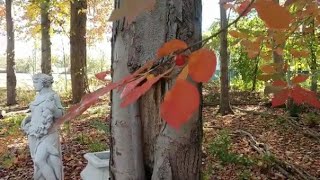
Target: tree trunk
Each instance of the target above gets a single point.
(78, 52)
(313, 64)
(225, 107)
(11, 76)
(45, 38)
(142, 145)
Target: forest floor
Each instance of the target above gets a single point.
(256, 142)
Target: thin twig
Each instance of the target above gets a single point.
(204, 41)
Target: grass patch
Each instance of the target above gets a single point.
(11, 126)
(220, 148)
(100, 126)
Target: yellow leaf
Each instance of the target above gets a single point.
(150, 76)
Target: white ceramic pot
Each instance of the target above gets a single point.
(97, 167)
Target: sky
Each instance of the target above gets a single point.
(210, 12)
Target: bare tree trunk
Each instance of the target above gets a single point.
(313, 59)
(143, 146)
(255, 74)
(45, 38)
(11, 76)
(225, 107)
(78, 52)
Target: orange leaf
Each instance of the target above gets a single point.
(252, 54)
(130, 86)
(264, 77)
(267, 69)
(299, 79)
(237, 34)
(274, 15)
(131, 9)
(102, 75)
(279, 83)
(279, 51)
(298, 54)
(171, 47)
(184, 73)
(280, 98)
(180, 103)
(136, 93)
(202, 65)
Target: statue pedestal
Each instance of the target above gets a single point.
(97, 167)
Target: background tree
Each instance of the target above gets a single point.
(224, 63)
(45, 38)
(11, 76)
(78, 52)
(143, 146)
(313, 48)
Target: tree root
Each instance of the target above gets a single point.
(287, 169)
(208, 104)
(306, 132)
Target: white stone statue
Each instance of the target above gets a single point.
(43, 138)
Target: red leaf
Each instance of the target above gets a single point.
(86, 101)
(130, 86)
(301, 95)
(279, 83)
(180, 59)
(202, 65)
(180, 103)
(102, 75)
(136, 93)
(280, 98)
(299, 79)
(243, 6)
(298, 95)
(171, 47)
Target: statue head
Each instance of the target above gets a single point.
(41, 81)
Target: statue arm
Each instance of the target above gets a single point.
(59, 109)
(25, 121)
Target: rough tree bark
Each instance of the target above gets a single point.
(45, 38)
(225, 107)
(78, 52)
(142, 145)
(11, 76)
